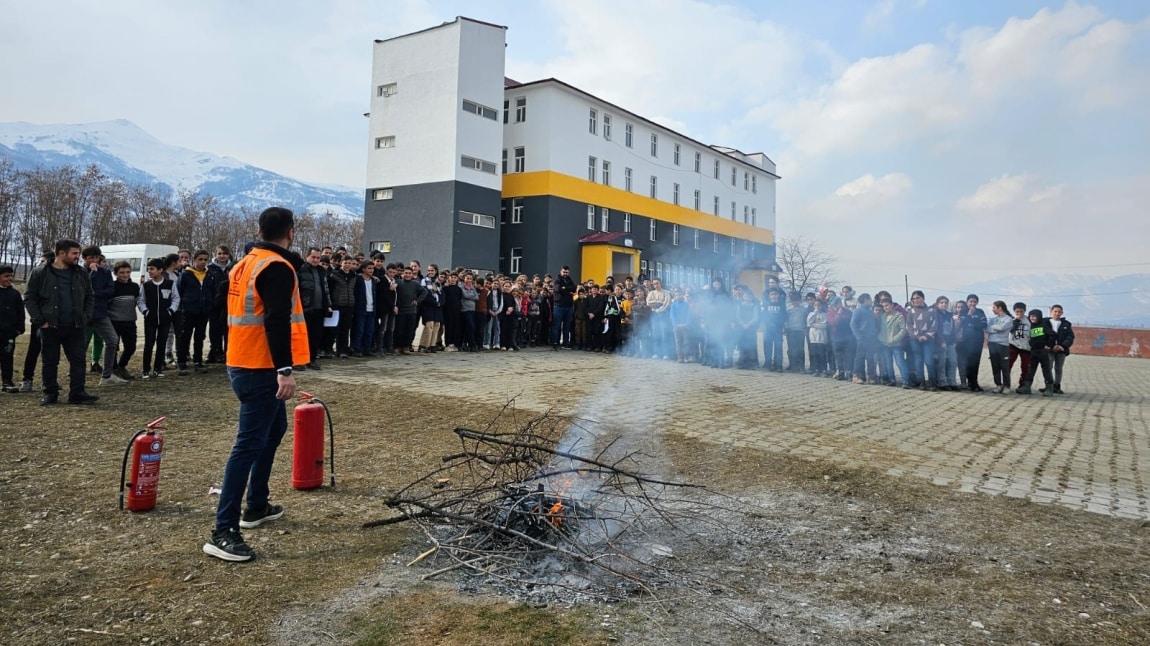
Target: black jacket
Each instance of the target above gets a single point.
(564, 291)
(1041, 336)
(11, 313)
(43, 304)
(313, 288)
(1064, 336)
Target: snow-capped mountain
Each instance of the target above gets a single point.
(1121, 301)
(125, 151)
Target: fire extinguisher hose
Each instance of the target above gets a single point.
(124, 466)
(330, 437)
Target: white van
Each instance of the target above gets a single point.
(136, 255)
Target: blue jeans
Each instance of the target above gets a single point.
(947, 365)
(866, 358)
(263, 422)
(891, 357)
(773, 349)
(364, 332)
(922, 360)
(562, 321)
(491, 331)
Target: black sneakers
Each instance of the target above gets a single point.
(256, 517)
(83, 397)
(229, 545)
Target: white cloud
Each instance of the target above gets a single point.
(1007, 191)
(886, 188)
(934, 92)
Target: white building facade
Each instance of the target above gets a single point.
(577, 180)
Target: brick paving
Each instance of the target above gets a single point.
(1088, 450)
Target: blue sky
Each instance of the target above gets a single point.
(955, 141)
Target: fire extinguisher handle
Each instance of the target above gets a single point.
(155, 424)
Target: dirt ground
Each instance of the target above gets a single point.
(819, 554)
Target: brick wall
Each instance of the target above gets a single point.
(1111, 342)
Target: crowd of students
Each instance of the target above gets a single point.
(362, 306)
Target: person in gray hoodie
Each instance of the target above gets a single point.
(864, 326)
(998, 343)
(467, 307)
(1020, 341)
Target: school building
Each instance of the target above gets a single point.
(467, 167)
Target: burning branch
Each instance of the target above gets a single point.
(519, 510)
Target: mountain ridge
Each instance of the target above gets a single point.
(127, 152)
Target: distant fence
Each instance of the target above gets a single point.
(1111, 342)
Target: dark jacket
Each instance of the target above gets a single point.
(1042, 336)
(387, 295)
(314, 294)
(944, 329)
(361, 287)
(103, 290)
(972, 327)
(1064, 336)
(122, 309)
(42, 302)
(11, 313)
(341, 286)
(774, 313)
(197, 297)
(564, 292)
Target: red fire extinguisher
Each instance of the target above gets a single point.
(307, 443)
(148, 448)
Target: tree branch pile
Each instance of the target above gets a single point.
(531, 517)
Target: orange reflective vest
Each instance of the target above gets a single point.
(247, 340)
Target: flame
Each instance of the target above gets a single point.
(555, 514)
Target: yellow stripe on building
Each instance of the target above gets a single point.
(580, 190)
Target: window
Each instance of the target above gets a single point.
(654, 187)
(516, 210)
(653, 229)
(604, 219)
(754, 183)
(385, 142)
(380, 245)
(593, 122)
(746, 181)
(516, 259)
(654, 144)
(716, 169)
(520, 159)
(504, 161)
(387, 89)
(506, 109)
(715, 243)
(698, 199)
(626, 223)
(698, 162)
(675, 194)
(696, 238)
(675, 234)
(754, 217)
(642, 266)
(734, 175)
(481, 110)
(628, 135)
(606, 176)
(715, 208)
(591, 166)
(477, 164)
(732, 210)
(732, 246)
(627, 178)
(678, 149)
(381, 194)
(477, 219)
(591, 216)
(607, 126)
(520, 109)
(503, 212)
(746, 214)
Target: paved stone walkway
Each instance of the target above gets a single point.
(1087, 450)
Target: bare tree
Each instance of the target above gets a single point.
(805, 265)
